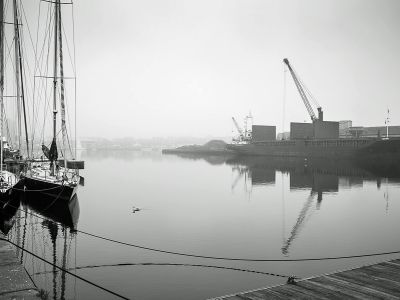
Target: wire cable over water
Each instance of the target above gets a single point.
(171, 264)
(226, 258)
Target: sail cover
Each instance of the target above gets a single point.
(46, 151)
(52, 153)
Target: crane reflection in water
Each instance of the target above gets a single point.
(45, 225)
(319, 176)
(316, 175)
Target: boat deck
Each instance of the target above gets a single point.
(378, 281)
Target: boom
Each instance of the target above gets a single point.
(303, 94)
(241, 134)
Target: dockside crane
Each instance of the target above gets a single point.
(305, 94)
(239, 130)
(241, 137)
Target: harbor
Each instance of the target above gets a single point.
(301, 201)
(199, 150)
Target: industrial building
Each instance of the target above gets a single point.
(262, 133)
(326, 129)
(316, 130)
(373, 132)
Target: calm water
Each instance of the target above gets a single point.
(215, 206)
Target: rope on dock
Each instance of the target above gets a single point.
(66, 271)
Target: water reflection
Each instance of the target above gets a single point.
(45, 225)
(8, 213)
(318, 176)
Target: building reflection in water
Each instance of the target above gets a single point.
(319, 176)
(47, 227)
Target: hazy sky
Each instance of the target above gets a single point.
(184, 68)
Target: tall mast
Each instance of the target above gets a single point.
(19, 80)
(1, 80)
(17, 70)
(62, 99)
(56, 15)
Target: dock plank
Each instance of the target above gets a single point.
(377, 281)
(381, 284)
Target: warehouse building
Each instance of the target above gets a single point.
(263, 133)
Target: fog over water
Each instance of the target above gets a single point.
(184, 68)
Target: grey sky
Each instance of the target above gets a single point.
(173, 68)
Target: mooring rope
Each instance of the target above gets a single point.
(221, 257)
(170, 264)
(41, 190)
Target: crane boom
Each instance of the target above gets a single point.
(303, 94)
(238, 128)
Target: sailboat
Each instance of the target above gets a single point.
(54, 176)
(8, 179)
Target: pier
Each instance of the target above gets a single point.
(14, 280)
(377, 281)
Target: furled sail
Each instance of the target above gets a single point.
(52, 153)
(46, 151)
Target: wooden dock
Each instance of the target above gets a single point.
(14, 280)
(378, 281)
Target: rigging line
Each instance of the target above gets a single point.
(9, 53)
(64, 270)
(45, 61)
(25, 47)
(34, 79)
(224, 258)
(173, 264)
(42, 93)
(29, 31)
(42, 86)
(66, 41)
